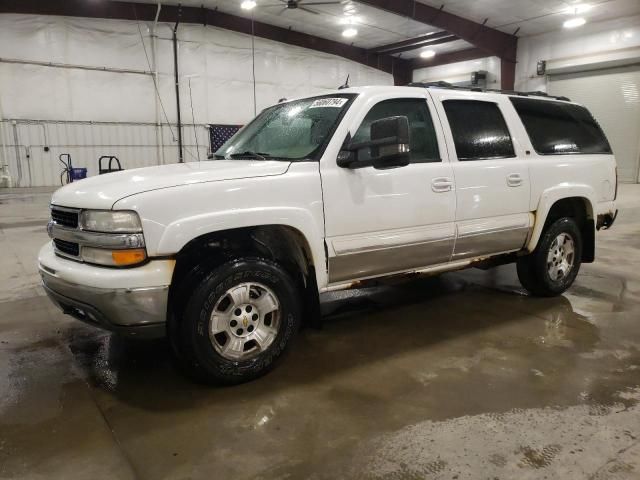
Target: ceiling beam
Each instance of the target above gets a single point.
(507, 74)
(123, 10)
(492, 41)
(414, 44)
(451, 57)
(411, 41)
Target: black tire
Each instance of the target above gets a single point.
(191, 342)
(533, 270)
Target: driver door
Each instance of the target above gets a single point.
(382, 221)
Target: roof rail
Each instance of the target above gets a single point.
(449, 86)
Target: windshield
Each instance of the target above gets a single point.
(291, 131)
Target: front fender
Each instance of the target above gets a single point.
(177, 234)
(551, 196)
(172, 217)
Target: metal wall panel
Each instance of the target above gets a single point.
(136, 145)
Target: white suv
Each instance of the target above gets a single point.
(228, 256)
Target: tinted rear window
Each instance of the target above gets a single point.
(479, 130)
(560, 128)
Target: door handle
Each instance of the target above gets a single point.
(514, 180)
(441, 184)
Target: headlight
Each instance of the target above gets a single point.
(111, 238)
(110, 221)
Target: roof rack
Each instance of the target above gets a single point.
(449, 86)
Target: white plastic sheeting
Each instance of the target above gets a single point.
(101, 78)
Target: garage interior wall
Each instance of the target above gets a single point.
(460, 72)
(585, 48)
(97, 96)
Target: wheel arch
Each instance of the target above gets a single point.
(281, 243)
(574, 202)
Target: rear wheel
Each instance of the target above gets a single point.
(238, 322)
(553, 266)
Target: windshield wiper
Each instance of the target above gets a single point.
(249, 154)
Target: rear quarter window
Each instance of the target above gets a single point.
(557, 128)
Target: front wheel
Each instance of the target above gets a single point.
(553, 266)
(238, 322)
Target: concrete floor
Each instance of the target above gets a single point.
(457, 376)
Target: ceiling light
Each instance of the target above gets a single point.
(349, 32)
(578, 9)
(349, 20)
(574, 22)
(248, 4)
(349, 9)
(427, 54)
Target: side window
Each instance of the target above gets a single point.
(424, 144)
(557, 128)
(479, 130)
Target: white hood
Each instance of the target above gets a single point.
(102, 191)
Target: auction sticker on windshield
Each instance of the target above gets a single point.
(329, 102)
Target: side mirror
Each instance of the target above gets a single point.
(388, 147)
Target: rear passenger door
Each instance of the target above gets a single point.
(490, 171)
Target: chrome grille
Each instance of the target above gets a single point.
(66, 218)
(67, 248)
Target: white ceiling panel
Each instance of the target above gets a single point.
(377, 27)
(534, 16)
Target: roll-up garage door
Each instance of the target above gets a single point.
(613, 96)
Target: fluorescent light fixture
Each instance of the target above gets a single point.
(248, 5)
(349, 32)
(427, 54)
(574, 22)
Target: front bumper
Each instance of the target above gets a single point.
(129, 301)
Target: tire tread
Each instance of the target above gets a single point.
(195, 356)
(532, 268)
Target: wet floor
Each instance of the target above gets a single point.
(456, 376)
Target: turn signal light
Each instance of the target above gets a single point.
(122, 258)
